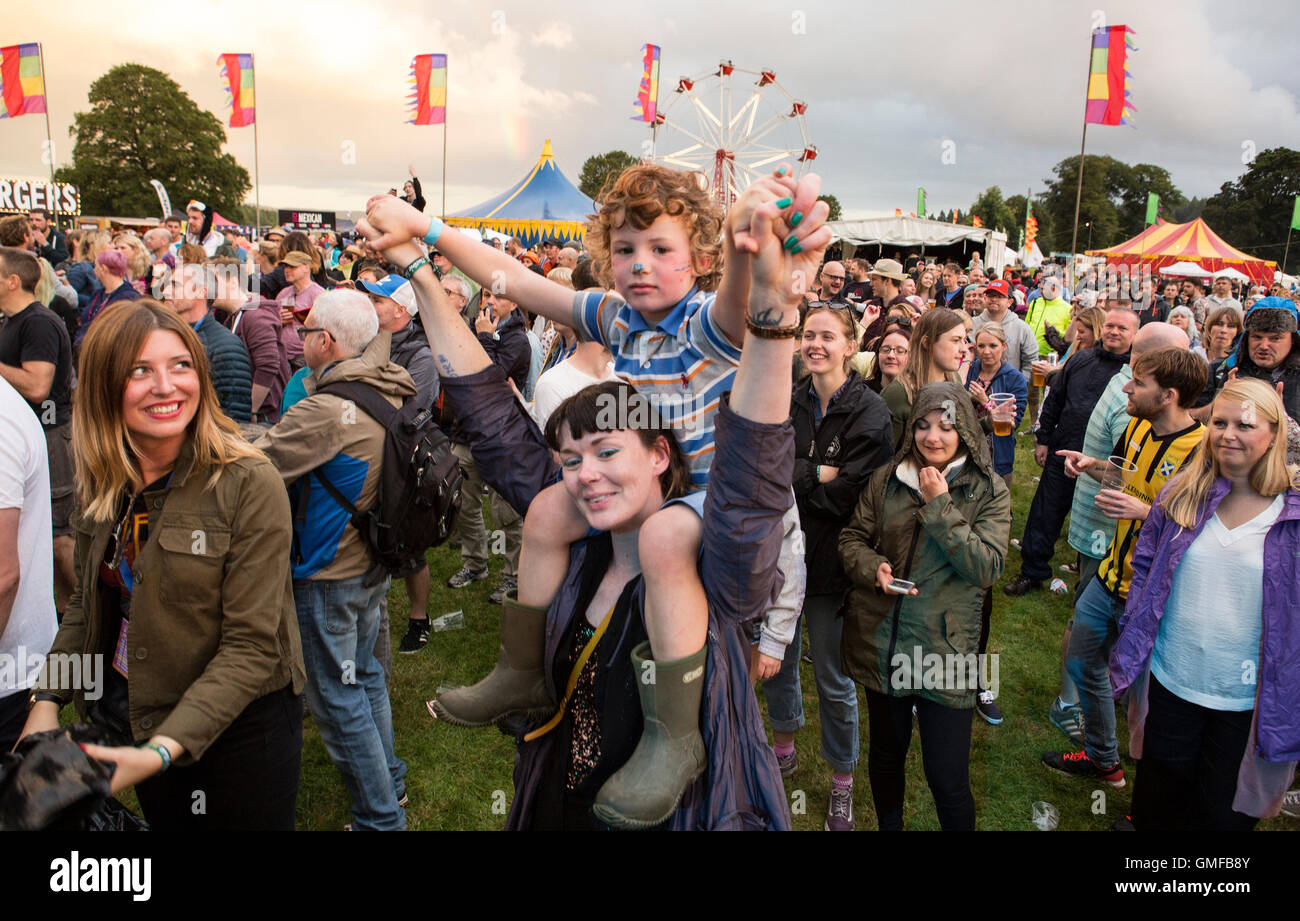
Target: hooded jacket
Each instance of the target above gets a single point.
(257, 324)
(952, 547)
(856, 436)
(1074, 394)
(1160, 547)
(1288, 372)
(323, 425)
(741, 788)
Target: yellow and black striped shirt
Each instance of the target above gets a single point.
(1158, 457)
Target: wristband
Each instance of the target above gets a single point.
(45, 695)
(819, 473)
(415, 266)
(162, 753)
(772, 332)
(988, 407)
(434, 232)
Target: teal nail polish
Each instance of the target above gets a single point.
(783, 203)
(791, 242)
(796, 218)
(797, 249)
(781, 170)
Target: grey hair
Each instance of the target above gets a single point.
(155, 233)
(348, 317)
(461, 284)
(1182, 310)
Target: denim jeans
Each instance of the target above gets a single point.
(1095, 632)
(339, 622)
(837, 695)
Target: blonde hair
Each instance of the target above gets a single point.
(94, 243)
(993, 329)
(138, 261)
(561, 275)
(46, 287)
(1190, 488)
(103, 450)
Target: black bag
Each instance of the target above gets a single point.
(419, 483)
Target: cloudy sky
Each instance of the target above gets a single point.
(889, 87)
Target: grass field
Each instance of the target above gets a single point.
(461, 778)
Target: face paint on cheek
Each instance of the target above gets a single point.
(687, 267)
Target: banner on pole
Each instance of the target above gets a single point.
(1108, 77)
(920, 202)
(237, 78)
(428, 98)
(1153, 206)
(1295, 214)
(164, 200)
(22, 85)
(647, 96)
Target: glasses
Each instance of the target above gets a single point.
(899, 350)
(305, 331)
(826, 277)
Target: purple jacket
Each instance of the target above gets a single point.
(257, 324)
(1160, 547)
(741, 788)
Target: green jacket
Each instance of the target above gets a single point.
(213, 623)
(1041, 314)
(952, 548)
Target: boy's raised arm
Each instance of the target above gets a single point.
(397, 222)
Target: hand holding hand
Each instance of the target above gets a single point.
(390, 221)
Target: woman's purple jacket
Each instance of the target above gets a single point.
(748, 494)
(1161, 545)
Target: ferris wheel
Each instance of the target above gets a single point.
(700, 127)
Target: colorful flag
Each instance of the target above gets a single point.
(22, 85)
(1031, 226)
(1295, 215)
(977, 221)
(429, 98)
(1108, 77)
(237, 77)
(1153, 205)
(920, 203)
(647, 97)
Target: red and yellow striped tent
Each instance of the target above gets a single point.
(1162, 245)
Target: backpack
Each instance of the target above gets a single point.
(419, 483)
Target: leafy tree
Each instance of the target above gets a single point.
(143, 126)
(602, 169)
(992, 209)
(1189, 210)
(1114, 201)
(1133, 186)
(1254, 211)
(834, 204)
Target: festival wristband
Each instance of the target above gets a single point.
(434, 232)
(162, 753)
(772, 332)
(415, 266)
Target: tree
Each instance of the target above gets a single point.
(601, 170)
(993, 211)
(834, 204)
(1114, 201)
(1254, 211)
(143, 126)
(1189, 210)
(1132, 186)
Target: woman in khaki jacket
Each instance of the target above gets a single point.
(183, 590)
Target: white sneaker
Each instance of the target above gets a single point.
(1291, 804)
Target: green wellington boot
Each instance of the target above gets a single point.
(516, 685)
(645, 791)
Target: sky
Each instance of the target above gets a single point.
(946, 95)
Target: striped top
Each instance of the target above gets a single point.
(1158, 458)
(683, 364)
(1090, 531)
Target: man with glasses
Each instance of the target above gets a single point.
(832, 280)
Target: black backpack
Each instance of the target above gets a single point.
(419, 483)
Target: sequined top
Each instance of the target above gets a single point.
(584, 747)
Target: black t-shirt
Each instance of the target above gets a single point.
(37, 334)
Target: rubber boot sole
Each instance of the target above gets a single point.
(438, 712)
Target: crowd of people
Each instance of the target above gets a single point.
(185, 469)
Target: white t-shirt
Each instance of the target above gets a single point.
(25, 485)
(557, 385)
(1207, 650)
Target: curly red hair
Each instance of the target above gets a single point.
(639, 196)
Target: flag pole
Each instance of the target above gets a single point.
(1286, 252)
(445, 81)
(1078, 194)
(257, 171)
(49, 138)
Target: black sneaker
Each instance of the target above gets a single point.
(417, 635)
(986, 708)
(1021, 585)
(1078, 764)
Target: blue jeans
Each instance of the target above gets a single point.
(1096, 630)
(837, 695)
(339, 622)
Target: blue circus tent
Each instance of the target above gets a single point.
(543, 204)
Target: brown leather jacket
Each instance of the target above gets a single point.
(213, 623)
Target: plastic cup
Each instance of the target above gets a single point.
(1046, 816)
(1119, 472)
(1040, 374)
(1004, 413)
(900, 586)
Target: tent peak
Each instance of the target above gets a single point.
(546, 151)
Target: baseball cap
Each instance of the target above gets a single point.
(395, 287)
(999, 287)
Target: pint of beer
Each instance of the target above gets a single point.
(1003, 413)
(1040, 377)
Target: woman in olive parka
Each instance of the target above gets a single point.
(939, 517)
